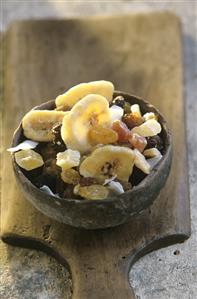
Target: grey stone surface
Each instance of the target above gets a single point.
(167, 273)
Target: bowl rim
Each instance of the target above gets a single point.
(145, 182)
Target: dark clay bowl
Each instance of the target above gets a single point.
(100, 213)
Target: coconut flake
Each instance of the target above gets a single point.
(47, 190)
(27, 144)
(116, 187)
(116, 113)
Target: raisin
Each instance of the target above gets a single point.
(102, 135)
(132, 120)
(122, 130)
(155, 141)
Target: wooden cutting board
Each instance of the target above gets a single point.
(140, 54)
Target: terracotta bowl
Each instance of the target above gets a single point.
(100, 213)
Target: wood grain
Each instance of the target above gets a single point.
(141, 54)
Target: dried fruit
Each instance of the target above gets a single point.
(108, 161)
(127, 107)
(102, 135)
(119, 101)
(155, 141)
(149, 128)
(47, 150)
(78, 92)
(140, 162)
(70, 176)
(68, 159)
(152, 152)
(149, 115)
(132, 120)
(138, 142)
(122, 130)
(136, 110)
(91, 111)
(28, 159)
(57, 139)
(37, 124)
(88, 181)
(92, 192)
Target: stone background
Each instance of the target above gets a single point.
(167, 273)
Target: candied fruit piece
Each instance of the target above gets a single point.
(68, 159)
(122, 130)
(138, 142)
(92, 192)
(119, 101)
(132, 120)
(28, 159)
(149, 128)
(102, 135)
(70, 176)
(152, 152)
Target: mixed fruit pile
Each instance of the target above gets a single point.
(92, 145)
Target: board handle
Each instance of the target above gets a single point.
(102, 282)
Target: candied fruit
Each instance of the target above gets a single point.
(122, 130)
(92, 192)
(102, 135)
(132, 120)
(70, 176)
(138, 142)
(28, 159)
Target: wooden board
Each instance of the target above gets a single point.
(141, 54)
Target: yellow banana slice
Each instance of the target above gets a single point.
(108, 161)
(37, 124)
(92, 110)
(76, 93)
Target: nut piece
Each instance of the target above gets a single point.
(92, 192)
(68, 159)
(28, 159)
(70, 176)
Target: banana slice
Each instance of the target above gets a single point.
(92, 110)
(76, 93)
(108, 161)
(37, 124)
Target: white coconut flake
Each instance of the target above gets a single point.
(27, 144)
(116, 187)
(116, 113)
(47, 190)
(107, 181)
